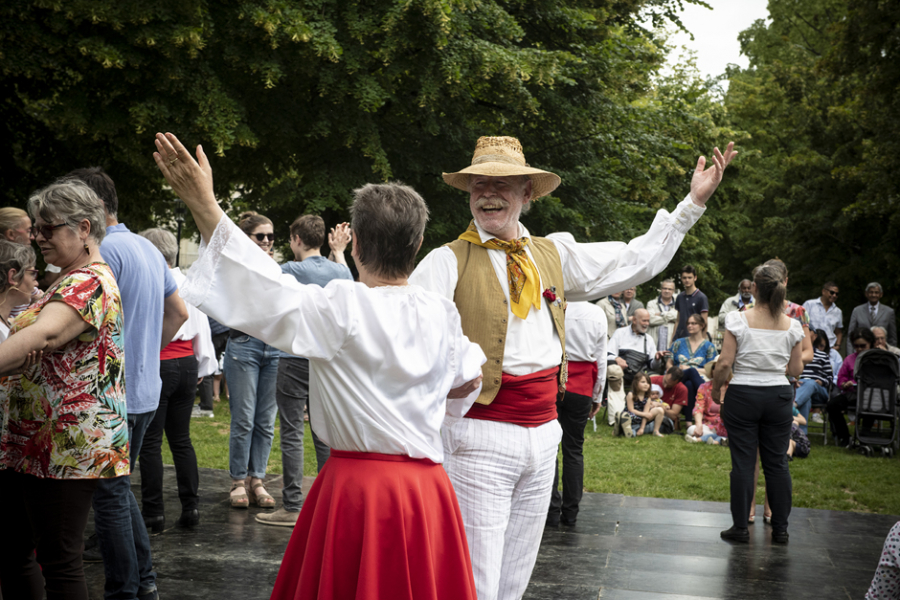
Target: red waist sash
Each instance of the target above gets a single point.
(582, 378)
(177, 349)
(526, 400)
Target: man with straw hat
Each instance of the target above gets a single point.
(511, 290)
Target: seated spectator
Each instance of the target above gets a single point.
(615, 393)
(631, 348)
(881, 340)
(674, 394)
(691, 353)
(799, 443)
(815, 381)
(740, 301)
(663, 316)
(646, 416)
(708, 425)
(861, 340)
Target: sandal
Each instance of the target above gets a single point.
(238, 500)
(767, 519)
(260, 497)
(751, 519)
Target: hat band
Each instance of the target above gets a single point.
(497, 158)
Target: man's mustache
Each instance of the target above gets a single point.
(492, 201)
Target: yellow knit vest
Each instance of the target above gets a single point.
(483, 308)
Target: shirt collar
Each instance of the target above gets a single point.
(117, 228)
(485, 236)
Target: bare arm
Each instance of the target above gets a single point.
(174, 315)
(723, 366)
(56, 325)
(807, 352)
(338, 238)
(795, 364)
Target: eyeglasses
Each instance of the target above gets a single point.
(46, 230)
(832, 292)
(860, 346)
(260, 237)
(34, 272)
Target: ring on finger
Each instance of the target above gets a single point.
(173, 161)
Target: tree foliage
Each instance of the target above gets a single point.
(818, 184)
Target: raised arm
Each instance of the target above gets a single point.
(338, 238)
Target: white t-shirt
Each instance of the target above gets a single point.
(4, 331)
(762, 354)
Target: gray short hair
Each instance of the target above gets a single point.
(14, 256)
(71, 200)
(164, 241)
(874, 284)
(879, 328)
(388, 222)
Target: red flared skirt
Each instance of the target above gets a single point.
(378, 526)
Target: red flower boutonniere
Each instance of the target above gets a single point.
(550, 295)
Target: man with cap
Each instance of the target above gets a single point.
(511, 290)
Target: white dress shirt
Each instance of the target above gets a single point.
(626, 339)
(590, 271)
(382, 360)
(586, 339)
(196, 329)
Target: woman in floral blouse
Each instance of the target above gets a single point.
(690, 354)
(66, 425)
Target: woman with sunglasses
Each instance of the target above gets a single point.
(67, 425)
(251, 367)
(19, 279)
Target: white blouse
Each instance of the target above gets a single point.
(196, 329)
(589, 271)
(586, 339)
(382, 360)
(762, 354)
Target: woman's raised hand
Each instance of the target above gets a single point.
(191, 180)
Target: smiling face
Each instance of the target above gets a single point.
(267, 233)
(497, 202)
(873, 294)
(62, 245)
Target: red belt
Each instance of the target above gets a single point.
(526, 400)
(582, 378)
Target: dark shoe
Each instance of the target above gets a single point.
(188, 518)
(92, 555)
(552, 521)
(151, 595)
(155, 524)
(736, 534)
(567, 522)
(780, 537)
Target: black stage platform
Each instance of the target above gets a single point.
(622, 548)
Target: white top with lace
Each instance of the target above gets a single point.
(382, 360)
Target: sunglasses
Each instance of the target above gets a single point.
(263, 236)
(46, 230)
(860, 346)
(832, 292)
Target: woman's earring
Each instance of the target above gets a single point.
(86, 249)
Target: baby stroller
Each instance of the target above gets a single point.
(877, 374)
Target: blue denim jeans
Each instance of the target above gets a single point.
(251, 368)
(122, 536)
(808, 392)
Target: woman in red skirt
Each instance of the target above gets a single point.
(381, 520)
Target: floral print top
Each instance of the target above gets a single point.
(712, 417)
(682, 355)
(67, 415)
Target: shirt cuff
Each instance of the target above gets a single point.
(686, 214)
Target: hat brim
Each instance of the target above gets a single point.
(543, 182)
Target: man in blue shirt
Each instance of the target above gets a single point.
(292, 382)
(153, 313)
(689, 302)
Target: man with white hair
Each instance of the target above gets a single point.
(632, 348)
(874, 314)
(511, 289)
(881, 340)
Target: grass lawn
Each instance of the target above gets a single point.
(831, 478)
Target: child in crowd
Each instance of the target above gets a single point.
(640, 407)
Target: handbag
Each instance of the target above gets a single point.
(636, 360)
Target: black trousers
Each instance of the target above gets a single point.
(179, 387)
(206, 386)
(47, 515)
(572, 414)
(759, 418)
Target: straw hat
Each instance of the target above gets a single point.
(500, 157)
(710, 368)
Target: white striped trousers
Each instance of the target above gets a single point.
(503, 475)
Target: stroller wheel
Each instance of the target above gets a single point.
(865, 450)
(887, 452)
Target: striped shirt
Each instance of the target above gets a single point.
(819, 368)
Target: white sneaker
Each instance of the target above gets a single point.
(198, 412)
(689, 438)
(817, 418)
